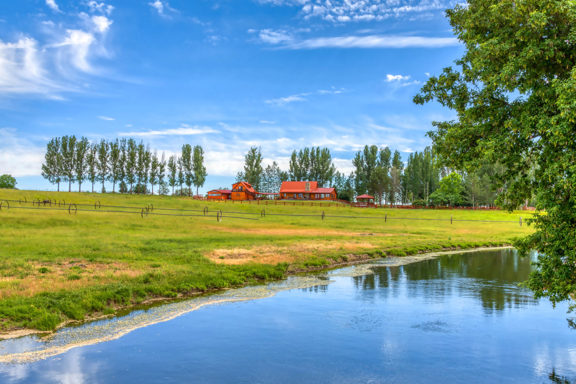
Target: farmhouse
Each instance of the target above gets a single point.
(219, 194)
(306, 190)
(242, 190)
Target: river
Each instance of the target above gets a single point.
(458, 318)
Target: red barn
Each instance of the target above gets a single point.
(243, 191)
(306, 190)
(219, 194)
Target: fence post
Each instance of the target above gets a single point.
(323, 215)
(520, 220)
(385, 217)
(451, 219)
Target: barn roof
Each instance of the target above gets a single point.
(325, 190)
(298, 186)
(247, 185)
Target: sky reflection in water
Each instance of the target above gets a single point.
(458, 318)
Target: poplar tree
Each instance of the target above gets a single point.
(162, 175)
(68, 150)
(80, 164)
(131, 162)
(115, 164)
(51, 168)
(187, 167)
(92, 164)
(181, 175)
(104, 163)
(198, 168)
(172, 172)
(154, 171)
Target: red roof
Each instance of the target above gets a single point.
(224, 191)
(246, 185)
(365, 197)
(301, 187)
(298, 186)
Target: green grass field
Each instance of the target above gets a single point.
(56, 267)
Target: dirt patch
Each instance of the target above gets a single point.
(285, 254)
(53, 276)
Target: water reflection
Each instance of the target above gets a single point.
(490, 277)
(388, 321)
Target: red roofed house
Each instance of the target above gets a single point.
(242, 190)
(219, 194)
(306, 190)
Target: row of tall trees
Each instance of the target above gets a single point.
(125, 163)
(421, 181)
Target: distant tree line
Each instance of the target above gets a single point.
(422, 180)
(131, 167)
(378, 172)
(125, 163)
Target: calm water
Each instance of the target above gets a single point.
(454, 319)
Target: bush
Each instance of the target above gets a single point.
(7, 181)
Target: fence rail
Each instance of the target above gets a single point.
(148, 210)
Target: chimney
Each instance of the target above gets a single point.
(307, 188)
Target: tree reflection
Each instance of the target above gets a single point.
(492, 277)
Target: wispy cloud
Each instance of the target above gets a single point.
(183, 130)
(52, 4)
(46, 65)
(163, 8)
(280, 101)
(347, 11)
(106, 118)
(364, 41)
(270, 36)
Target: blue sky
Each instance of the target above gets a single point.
(225, 74)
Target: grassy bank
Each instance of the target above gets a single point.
(56, 267)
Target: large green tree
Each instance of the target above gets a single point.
(514, 96)
(253, 167)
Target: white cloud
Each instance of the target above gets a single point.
(163, 8)
(286, 100)
(371, 41)
(102, 23)
(347, 11)
(100, 7)
(274, 37)
(303, 96)
(184, 130)
(18, 156)
(52, 4)
(49, 64)
(390, 78)
(77, 44)
(22, 70)
(106, 118)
